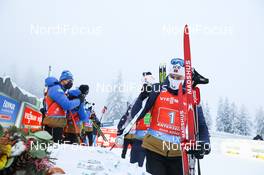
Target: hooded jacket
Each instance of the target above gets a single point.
(56, 97)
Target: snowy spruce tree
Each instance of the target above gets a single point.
(235, 119)
(224, 120)
(207, 115)
(244, 125)
(259, 122)
(116, 102)
(219, 118)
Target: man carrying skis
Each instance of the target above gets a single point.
(57, 104)
(162, 142)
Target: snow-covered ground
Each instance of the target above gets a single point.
(80, 160)
(77, 160)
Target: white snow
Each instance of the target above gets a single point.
(81, 160)
(217, 163)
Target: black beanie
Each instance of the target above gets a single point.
(84, 89)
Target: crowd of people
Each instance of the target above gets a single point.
(69, 119)
(67, 116)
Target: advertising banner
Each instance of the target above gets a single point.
(110, 134)
(9, 109)
(31, 118)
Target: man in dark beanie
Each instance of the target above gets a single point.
(84, 89)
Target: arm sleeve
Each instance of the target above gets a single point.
(136, 107)
(121, 122)
(83, 113)
(149, 104)
(96, 119)
(203, 129)
(57, 94)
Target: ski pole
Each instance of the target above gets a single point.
(199, 168)
(114, 145)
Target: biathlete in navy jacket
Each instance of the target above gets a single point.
(164, 127)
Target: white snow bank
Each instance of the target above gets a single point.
(77, 160)
(82, 160)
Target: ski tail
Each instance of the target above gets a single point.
(189, 90)
(191, 122)
(162, 72)
(100, 132)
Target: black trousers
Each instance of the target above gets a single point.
(71, 138)
(160, 165)
(127, 142)
(90, 137)
(56, 133)
(138, 153)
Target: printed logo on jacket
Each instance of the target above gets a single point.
(166, 114)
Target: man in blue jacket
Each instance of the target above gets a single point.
(57, 104)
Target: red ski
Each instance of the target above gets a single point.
(189, 138)
(183, 121)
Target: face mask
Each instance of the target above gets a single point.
(68, 85)
(174, 84)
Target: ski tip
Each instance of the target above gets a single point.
(186, 29)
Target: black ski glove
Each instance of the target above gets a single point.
(198, 79)
(92, 115)
(200, 150)
(43, 111)
(120, 132)
(99, 123)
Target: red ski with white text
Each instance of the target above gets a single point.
(190, 129)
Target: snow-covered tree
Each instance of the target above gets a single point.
(245, 125)
(259, 122)
(224, 120)
(207, 115)
(220, 114)
(235, 118)
(116, 103)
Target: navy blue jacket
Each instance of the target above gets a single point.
(156, 88)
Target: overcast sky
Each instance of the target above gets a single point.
(133, 36)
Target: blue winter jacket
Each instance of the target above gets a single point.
(82, 112)
(203, 130)
(57, 93)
